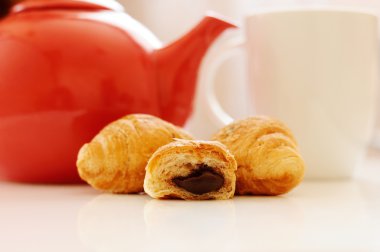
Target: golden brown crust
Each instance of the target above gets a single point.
(115, 159)
(181, 158)
(266, 153)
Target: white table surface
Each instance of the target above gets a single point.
(316, 216)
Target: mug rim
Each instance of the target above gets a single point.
(317, 9)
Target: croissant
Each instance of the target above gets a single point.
(115, 159)
(191, 170)
(266, 153)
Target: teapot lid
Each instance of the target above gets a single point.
(67, 4)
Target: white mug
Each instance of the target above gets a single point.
(315, 69)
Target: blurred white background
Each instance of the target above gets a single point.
(169, 19)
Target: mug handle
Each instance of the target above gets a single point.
(226, 47)
(375, 141)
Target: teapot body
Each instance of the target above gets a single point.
(64, 74)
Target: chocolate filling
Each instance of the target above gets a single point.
(203, 180)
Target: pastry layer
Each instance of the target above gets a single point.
(191, 170)
(115, 159)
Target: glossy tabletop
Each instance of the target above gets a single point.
(317, 216)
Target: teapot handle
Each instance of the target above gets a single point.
(224, 49)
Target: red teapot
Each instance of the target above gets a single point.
(68, 68)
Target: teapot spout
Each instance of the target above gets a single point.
(177, 67)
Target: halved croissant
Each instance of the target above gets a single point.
(115, 160)
(191, 170)
(266, 154)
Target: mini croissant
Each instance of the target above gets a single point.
(191, 170)
(115, 160)
(266, 154)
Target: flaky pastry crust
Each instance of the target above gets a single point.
(266, 153)
(183, 157)
(115, 159)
